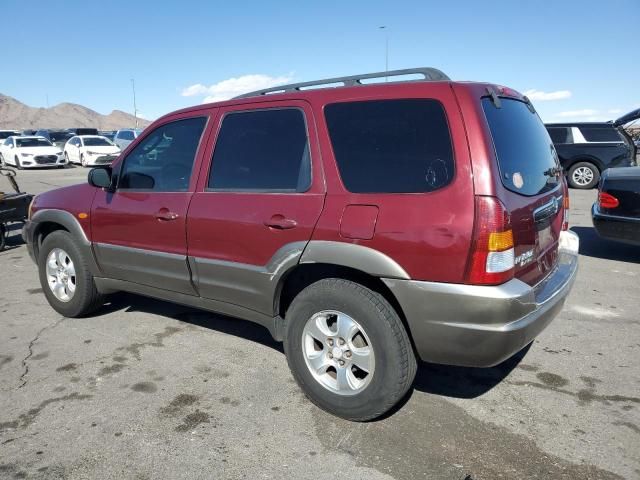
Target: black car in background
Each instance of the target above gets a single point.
(588, 149)
(57, 137)
(83, 131)
(110, 134)
(616, 213)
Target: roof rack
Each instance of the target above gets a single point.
(429, 74)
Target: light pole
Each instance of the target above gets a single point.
(386, 49)
(135, 109)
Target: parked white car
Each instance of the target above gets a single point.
(90, 150)
(30, 152)
(125, 136)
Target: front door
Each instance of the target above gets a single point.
(257, 202)
(139, 231)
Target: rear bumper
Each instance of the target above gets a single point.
(618, 228)
(481, 326)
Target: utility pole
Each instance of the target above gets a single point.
(135, 109)
(386, 49)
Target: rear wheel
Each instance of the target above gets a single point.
(348, 349)
(584, 175)
(65, 277)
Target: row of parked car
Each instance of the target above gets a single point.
(57, 148)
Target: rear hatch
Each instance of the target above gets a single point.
(623, 184)
(532, 187)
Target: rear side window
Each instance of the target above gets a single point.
(262, 150)
(595, 134)
(126, 135)
(391, 146)
(560, 134)
(526, 156)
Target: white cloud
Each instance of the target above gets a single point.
(539, 96)
(233, 87)
(585, 112)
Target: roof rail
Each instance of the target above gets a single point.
(429, 74)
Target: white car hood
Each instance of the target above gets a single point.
(37, 150)
(103, 149)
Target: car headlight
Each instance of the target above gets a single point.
(26, 154)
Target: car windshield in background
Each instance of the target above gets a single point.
(4, 135)
(32, 142)
(525, 152)
(60, 137)
(96, 142)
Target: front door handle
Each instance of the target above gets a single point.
(280, 222)
(164, 214)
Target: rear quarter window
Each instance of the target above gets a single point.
(525, 153)
(601, 134)
(391, 146)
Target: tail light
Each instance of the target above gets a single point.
(606, 200)
(492, 255)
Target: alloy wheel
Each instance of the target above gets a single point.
(61, 274)
(338, 352)
(582, 176)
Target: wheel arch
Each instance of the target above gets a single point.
(48, 221)
(588, 159)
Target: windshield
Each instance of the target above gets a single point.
(526, 156)
(32, 142)
(60, 136)
(4, 135)
(96, 142)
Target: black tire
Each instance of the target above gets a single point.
(66, 158)
(82, 160)
(86, 298)
(2, 162)
(575, 183)
(3, 236)
(395, 362)
(18, 164)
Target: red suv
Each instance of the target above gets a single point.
(364, 225)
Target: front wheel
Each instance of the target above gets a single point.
(18, 164)
(65, 276)
(584, 175)
(348, 349)
(82, 161)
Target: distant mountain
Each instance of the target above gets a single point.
(18, 116)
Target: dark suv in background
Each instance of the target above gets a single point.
(588, 149)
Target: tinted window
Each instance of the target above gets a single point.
(600, 134)
(126, 135)
(391, 146)
(96, 142)
(163, 161)
(560, 134)
(32, 142)
(262, 150)
(525, 153)
(60, 136)
(6, 134)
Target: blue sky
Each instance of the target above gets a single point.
(581, 57)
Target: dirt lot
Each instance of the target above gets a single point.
(146, 389)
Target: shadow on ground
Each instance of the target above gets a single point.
(592, 245)
(448, 381)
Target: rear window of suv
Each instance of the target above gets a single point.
(525, 152)
(391, 146)
(600, 134)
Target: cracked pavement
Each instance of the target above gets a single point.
(147, 389)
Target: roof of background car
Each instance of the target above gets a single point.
(580, 124)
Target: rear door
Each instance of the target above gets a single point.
(531, 187)
(258, 201)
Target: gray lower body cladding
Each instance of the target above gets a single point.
(478, 326)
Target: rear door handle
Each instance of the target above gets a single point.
(166, 215)
(280, 222)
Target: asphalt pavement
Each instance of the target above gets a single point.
(146, 389)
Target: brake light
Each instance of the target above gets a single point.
(606, 200)
(492, 255)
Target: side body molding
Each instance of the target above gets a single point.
(70, 223)
(354, 256)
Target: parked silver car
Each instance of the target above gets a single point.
(125, 136)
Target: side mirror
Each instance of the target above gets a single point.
(100, 178)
